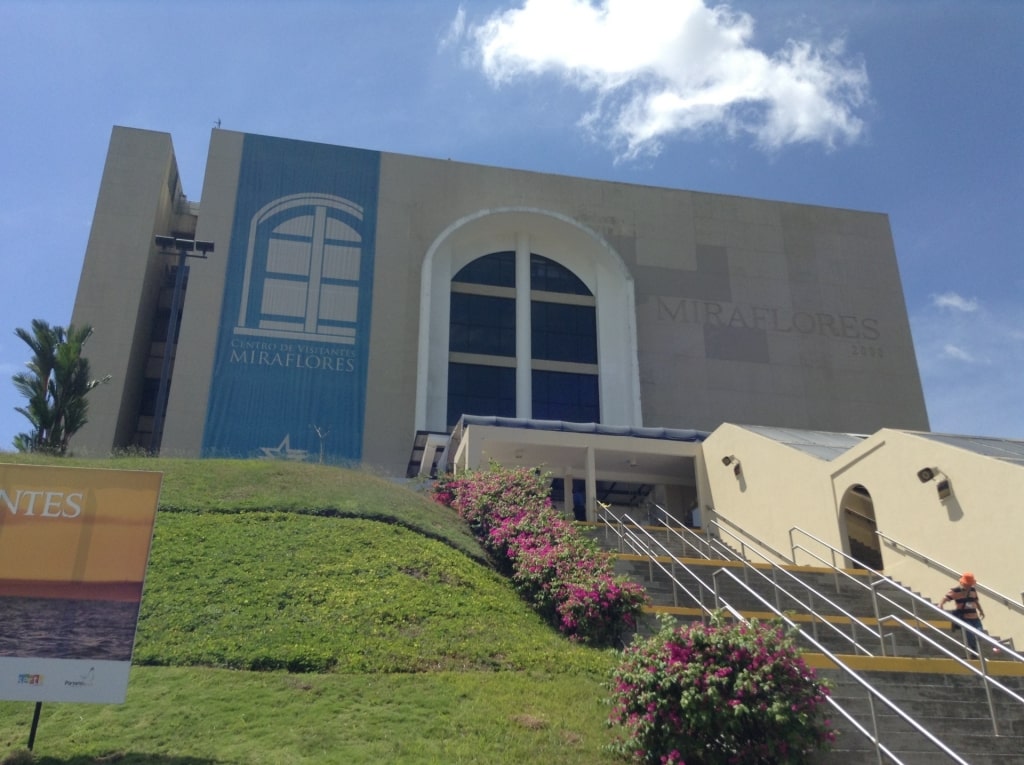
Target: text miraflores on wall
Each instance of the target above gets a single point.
(262, 353)
(738, 316)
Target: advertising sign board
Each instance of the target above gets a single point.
(74, 546)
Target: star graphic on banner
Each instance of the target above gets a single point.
(283, 451)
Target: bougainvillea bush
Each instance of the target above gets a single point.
(718, 694)
(561, 573)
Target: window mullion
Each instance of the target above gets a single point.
(316, 267)
(524, 380)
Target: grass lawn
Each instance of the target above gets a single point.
(298, 613)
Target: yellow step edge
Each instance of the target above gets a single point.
(994, 667)
(722, 562)
(679, 610)
(913, 664)
(696, 530)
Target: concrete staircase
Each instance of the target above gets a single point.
(951, 704)
(936, 691)
(803, 590)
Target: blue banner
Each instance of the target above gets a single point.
(289, 377)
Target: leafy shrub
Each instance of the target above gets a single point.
(566, 578)
(718, 694)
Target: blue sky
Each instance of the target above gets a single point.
(913, 109)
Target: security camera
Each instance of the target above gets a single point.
(924, 475)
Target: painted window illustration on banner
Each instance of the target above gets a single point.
(289, 377)
(302, 270)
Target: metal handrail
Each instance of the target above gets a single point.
(635, 543)
(681, 533)
(874, 692)
(715, 522)
(995, 595)
(855, 621)
(811, 592)
(625, 524)
(778, 589)
(642, 547)
(981, 637)
(873, 588)
(1007, 651)
(989, 681)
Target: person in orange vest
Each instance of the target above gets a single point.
(968, 610)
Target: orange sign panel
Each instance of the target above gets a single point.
(74, 545)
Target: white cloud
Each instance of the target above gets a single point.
(955, 301)
(951, 351)
(971, 361)
(456, 29)
(662, 67)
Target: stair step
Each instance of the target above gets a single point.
(940, 693)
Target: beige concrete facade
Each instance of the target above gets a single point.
(709, 308)
(119, 288)
(867, 490)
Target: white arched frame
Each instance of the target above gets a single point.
(563, 240)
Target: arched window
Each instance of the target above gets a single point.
(484, 353)
(507, 331)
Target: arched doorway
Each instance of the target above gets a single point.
(858, 521)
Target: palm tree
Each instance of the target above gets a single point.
(54, 386)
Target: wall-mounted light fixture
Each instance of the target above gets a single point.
(734, 461)
(203, 248)
(942, 485)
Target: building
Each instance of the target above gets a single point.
(368, 296)
(921, 506)
(356, 306)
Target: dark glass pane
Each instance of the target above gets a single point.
(482, 324)
(565, 396)
(497, 269)
(161, 320)
(150, 388)
(478, 389)
(563, 332)
(547, 275)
